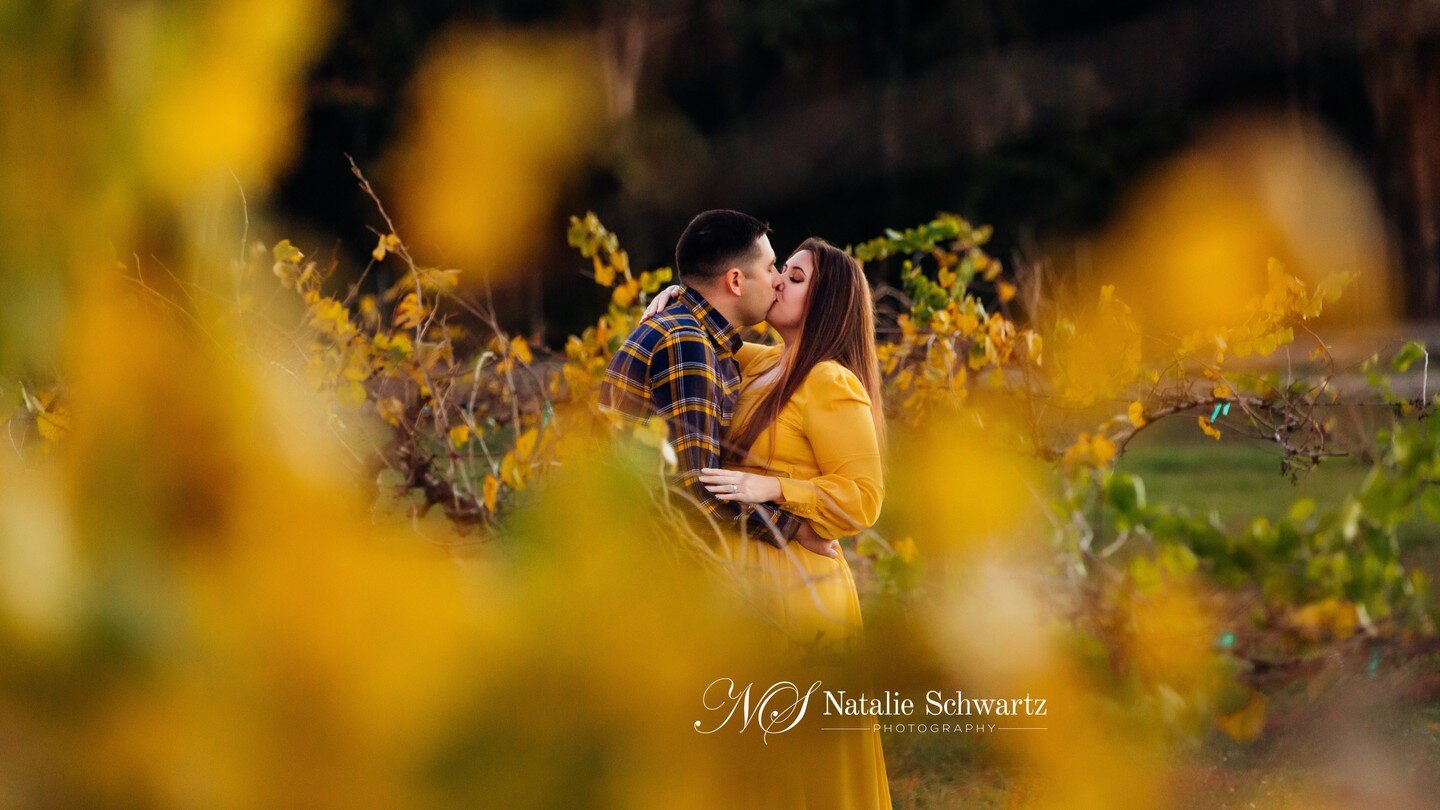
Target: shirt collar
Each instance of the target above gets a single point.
(721, 331)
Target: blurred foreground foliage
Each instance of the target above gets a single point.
(211, 592)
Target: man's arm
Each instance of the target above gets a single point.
(686, 392)
(781, 523)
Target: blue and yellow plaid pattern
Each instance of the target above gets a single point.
(681, 366)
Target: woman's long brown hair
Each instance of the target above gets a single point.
(838, 324)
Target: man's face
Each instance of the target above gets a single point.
(758, 292)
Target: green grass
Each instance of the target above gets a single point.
(1238, 478)
(1239, 482)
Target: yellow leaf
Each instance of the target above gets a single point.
(905, 549)
(1335, 617)
(286, 252)
(1222, 391)
(316, 370)
(521, 349)
(1088, 451)
(1248, 722)
(1007, 291)
(1205, 426)
(904, 378)
(625, 293)
(490, 488)
(525, 445)
(393, 345)
(391, 410)
(388, 244)
(459, 435)
(510, 472)
(1136, 412)
(966, 323)
(53, 423)
(604, 273)
(357, 368)
(436, 280)
(331, 317)
(989, 266)
(1104, 450)
(288, 273)
(410, 313)
(352, 396)
(1034, 346)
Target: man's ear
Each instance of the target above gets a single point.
(733, 281)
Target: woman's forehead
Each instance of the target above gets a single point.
(801, 259)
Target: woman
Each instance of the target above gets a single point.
(810, 427)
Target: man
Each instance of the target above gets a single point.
(681, 364)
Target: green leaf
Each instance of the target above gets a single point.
(1176, 558)
(1125, 493)
(1430, 504)
(1409, 353)
(1350, 518)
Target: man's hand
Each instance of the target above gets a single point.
(807, 537)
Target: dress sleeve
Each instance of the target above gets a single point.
(749, 353)
(845, 498)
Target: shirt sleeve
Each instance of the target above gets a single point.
(686, 393)
(845, 498)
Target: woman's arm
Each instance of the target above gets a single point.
(749, 352)
(845, 498)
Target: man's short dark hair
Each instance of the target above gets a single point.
(714, 242)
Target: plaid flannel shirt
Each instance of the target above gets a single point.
(681, 365)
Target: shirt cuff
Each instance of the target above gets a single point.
(770, 525)
(800, 497)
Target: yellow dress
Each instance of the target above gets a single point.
(825, 451)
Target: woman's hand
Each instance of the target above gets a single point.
(734, 485)
(662, 300)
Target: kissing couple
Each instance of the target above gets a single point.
(779, 444)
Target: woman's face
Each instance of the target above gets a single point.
(792, 287)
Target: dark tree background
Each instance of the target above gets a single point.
(843, 117)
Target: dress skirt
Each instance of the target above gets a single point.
(811, 611)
